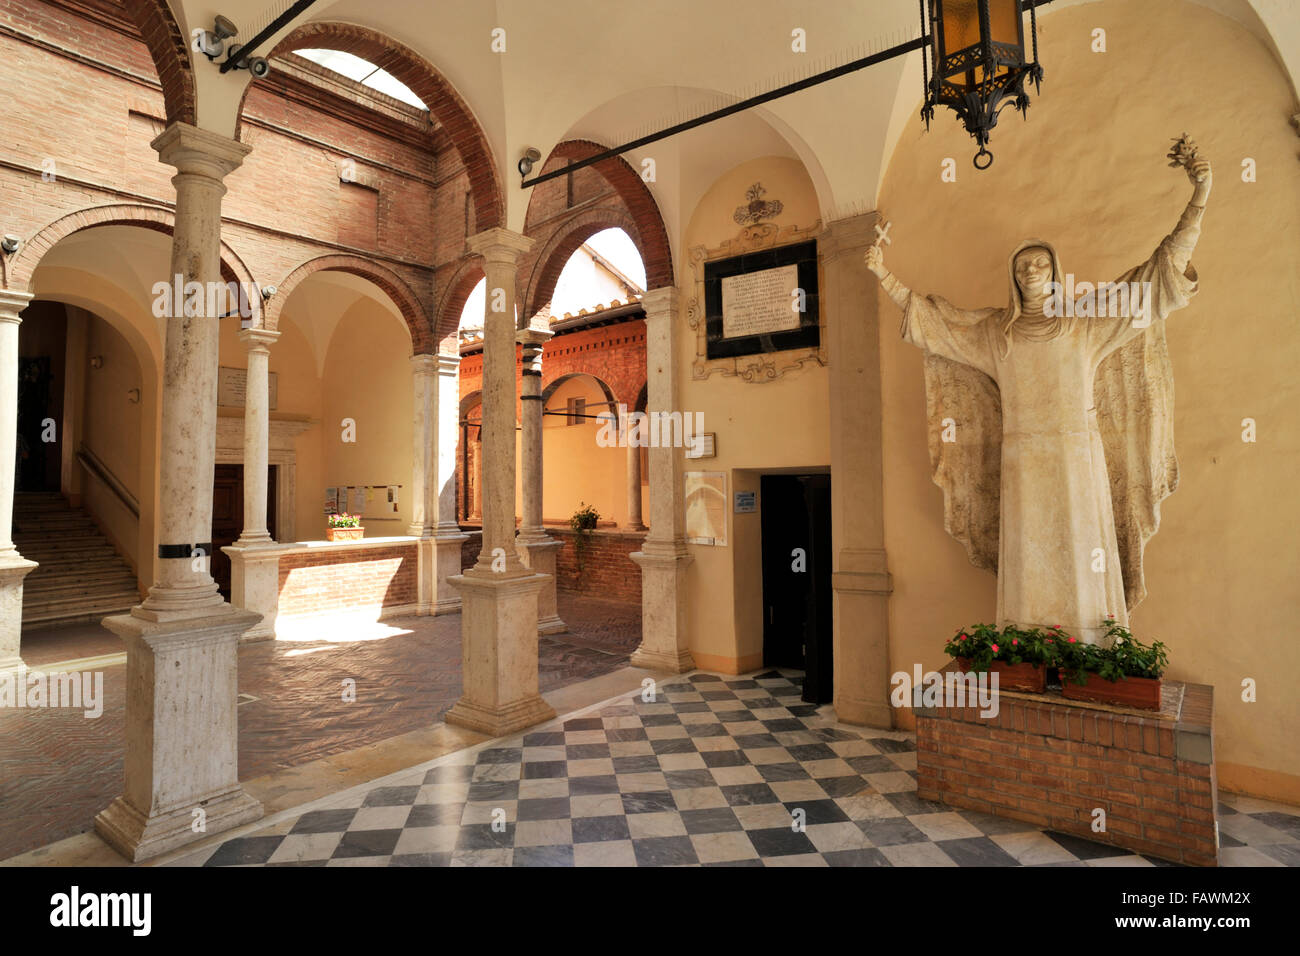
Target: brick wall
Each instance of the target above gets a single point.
(608, 572)
(339, 579)
(1050, 762)
(90, 103)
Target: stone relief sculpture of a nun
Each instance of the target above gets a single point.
(1059, 420)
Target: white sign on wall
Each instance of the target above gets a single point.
(232, 386)
(760, 303)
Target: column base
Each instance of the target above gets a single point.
(13, 568)
(861, 587)
(255, 586)
(139, 837)
(664, 645)
(181, 733)
(447, 552)
(499, 654)
(539, 553)
(500, 721)
(652, 660)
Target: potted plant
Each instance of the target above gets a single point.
(583, 524)
(344, 527)
(1127, 672)
(1018, 656)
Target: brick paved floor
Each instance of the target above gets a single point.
(58, 769)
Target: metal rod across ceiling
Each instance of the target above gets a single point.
(816, 79)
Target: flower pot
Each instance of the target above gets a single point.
(344, 534)
(1023, 677)
(1140, 692)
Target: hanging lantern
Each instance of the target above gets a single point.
(977, 58)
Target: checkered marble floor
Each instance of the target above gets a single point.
(714, 772)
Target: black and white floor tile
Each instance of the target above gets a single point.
(714, 772)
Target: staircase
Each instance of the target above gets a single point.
(81, 577)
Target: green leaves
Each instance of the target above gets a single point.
(1122, 657)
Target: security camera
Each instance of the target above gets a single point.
(211, 43)
(258, 66)
(10, 243)
(223, 28)
(528, 160)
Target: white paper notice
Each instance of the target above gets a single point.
(759, 303)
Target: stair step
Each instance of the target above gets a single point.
(119, 582)
(81, 577)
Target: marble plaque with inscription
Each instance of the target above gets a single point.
(233, 382)
(759, 303)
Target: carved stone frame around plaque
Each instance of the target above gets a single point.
(766, 366)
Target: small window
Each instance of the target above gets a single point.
(577, 410)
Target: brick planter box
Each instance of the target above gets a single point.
(1051, 761)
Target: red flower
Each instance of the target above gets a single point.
(1072, 641)
(1056, 627)
(1014, 642)
(995, 648)
(962, 638)
(1050, 641)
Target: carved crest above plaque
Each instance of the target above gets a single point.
(765, 329)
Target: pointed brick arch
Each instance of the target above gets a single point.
(170, 51)
(158, 218)
(445, 104)
(393, 285)
(628, 206)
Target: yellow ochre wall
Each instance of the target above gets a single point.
(1087, 172)
(760, 426)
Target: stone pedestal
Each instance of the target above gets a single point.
(539, 555)
(1054, 763)
(499, 655)
(663, 644)
(13, 568)
(182, 781)
(255, 586)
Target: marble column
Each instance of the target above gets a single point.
(860, 577)
(257, 434)
(255, 575)
(536, 549)
(663, 557)
(13, 566)
(433, 501)
(633, 480)
(499, 594)
(182, 781)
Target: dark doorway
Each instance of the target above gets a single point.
(228, 517)
(796, 529)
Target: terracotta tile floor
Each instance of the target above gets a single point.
(58, 769)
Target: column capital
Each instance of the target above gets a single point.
(256, 338)
(533, 337)
(500, 246)
(848, 236)
(424, 364)
(661, 302)
(447, 364)
(194, 150)
(12, 302)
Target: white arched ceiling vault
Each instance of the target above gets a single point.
(605, 72)
(324, 299)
